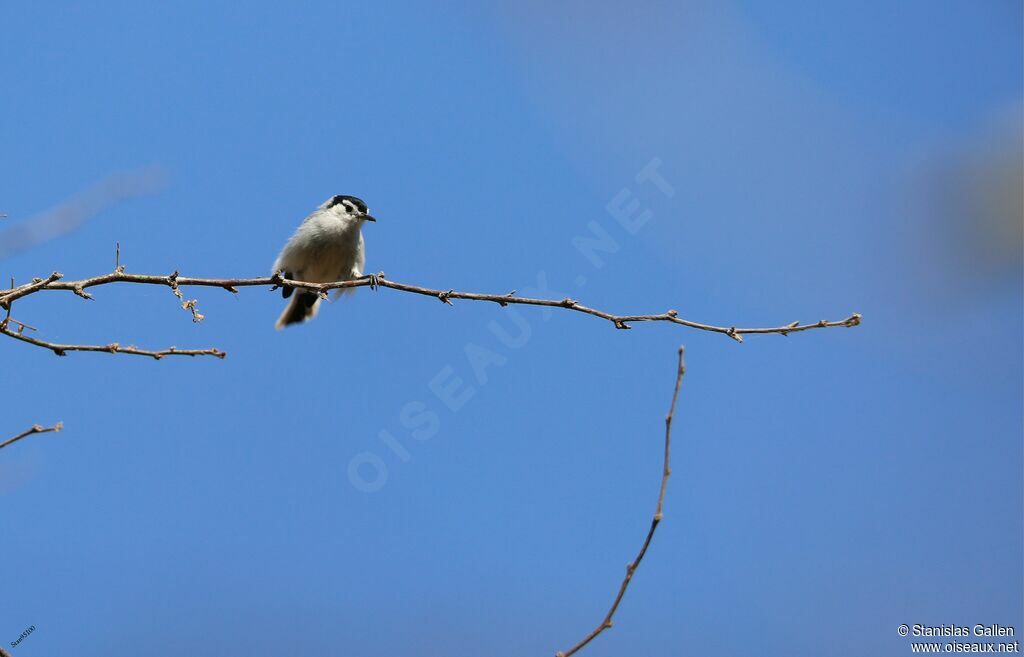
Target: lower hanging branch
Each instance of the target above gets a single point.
(632, 566)
(175, 282)
(113, 348)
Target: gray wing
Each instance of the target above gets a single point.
(359, 267)
(291, 255)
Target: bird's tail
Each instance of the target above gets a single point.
(302, 307)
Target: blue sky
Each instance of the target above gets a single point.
(827, 487)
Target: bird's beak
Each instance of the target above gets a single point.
(367, 217)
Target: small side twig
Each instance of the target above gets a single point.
(36, 428)
(633, 565)
(37, 284)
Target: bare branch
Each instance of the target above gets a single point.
(36, 428)
(175, 281)
(112, 348)
(631, 567)
(7, 298)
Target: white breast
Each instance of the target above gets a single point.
(327, 247)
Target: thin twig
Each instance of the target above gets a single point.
(631, 568)
(36, 428)
(175, 281)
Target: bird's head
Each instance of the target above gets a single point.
(349, 205)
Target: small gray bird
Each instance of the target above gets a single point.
(327, 247)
